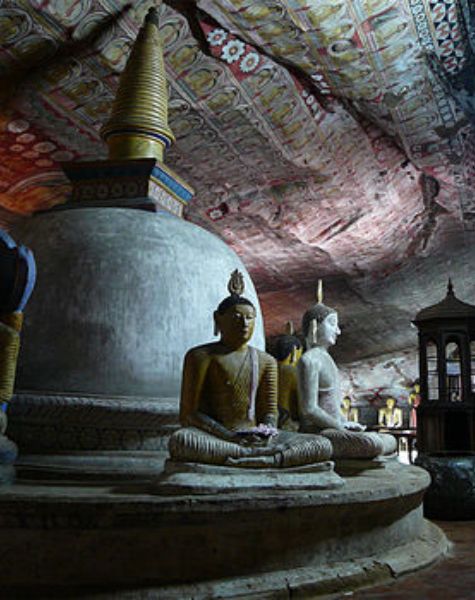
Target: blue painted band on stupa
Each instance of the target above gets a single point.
(164, 177)
(139, 131)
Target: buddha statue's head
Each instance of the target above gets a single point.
(287, 348)
(235, 317)
(320, 323)
(346, 403)
(390, 403)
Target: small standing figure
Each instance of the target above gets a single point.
(414, 400)
(17, 280)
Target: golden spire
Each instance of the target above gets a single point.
(138, 124)
(320, 291)
(289, 328)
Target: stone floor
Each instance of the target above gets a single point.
(451, 579)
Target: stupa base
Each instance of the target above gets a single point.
(103, 466)
(54, 422)
(126, 542)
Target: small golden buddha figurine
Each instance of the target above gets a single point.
(349, 412)
(390, 415)
(319, 390)
(228, 406)
(287, 350)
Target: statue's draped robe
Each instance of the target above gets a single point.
(288, 398)
(327, 397)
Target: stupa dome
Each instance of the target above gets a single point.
(121, 295)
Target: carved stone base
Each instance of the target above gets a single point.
(91, 437)
(193, 478)
(106, 467)
(56, 422)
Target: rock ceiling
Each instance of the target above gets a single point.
(325, 138)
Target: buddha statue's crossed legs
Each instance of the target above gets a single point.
(287, 449)
(355, 444)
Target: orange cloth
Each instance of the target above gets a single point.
(10, 326)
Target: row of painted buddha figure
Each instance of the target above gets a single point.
(230, 397)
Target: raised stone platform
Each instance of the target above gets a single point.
(129, 542)
(198, 479)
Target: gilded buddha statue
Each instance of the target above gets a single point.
(348, 411)
(390, 415)
(287, 350)
(320, 395)
(228, 406)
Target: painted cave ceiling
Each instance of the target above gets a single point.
(324, 138)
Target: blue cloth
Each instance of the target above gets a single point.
(17, 274)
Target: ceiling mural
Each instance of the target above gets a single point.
(329, 138)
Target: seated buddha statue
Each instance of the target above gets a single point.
(228, 405)
(348, 411)
(287, 350)
(390, 415)
(319, 391)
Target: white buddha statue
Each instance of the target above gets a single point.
(320, 394)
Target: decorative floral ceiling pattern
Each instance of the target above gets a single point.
(325, 138)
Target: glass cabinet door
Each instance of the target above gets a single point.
(453, 372)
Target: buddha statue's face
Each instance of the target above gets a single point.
(328, 330)
(390, 403)
(236, 324)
